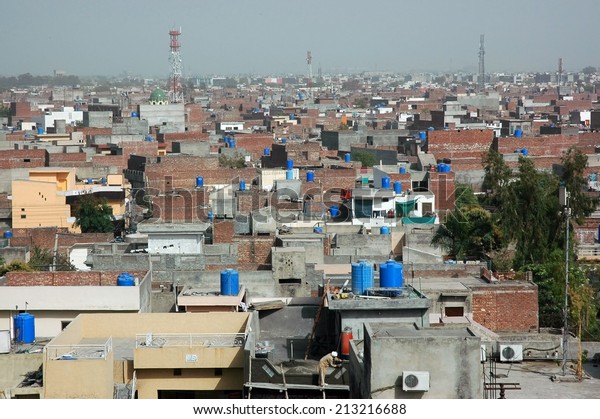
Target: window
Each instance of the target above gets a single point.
(23, 216)
(27, 160)
(290, 281)
(177, 372)
(427, 207)
(454, 311)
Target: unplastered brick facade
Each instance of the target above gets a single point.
(506, 306)
(459, 143)
(18, 159)
(66, 278)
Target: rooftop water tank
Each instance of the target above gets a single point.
(385, 182)
(40, 130)
(24, 328)
(134, 114)
(402, 170)
(289, 174)
(283, 140)
(518, 133)
(384, 230)
(334, 211)
(210, 215)
(267, 151)
(391, 274)
(289, 164)
(8, 234)
(125, 279)
(230, 284)
(362, 276)
(422, 135)
(199, 181)
(397, 187)
(242, 185)
(310, 176)
(317, 230)
(525, 152)
(347, 157)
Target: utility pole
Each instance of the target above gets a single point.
(563, 197)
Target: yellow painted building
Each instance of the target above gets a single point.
(47, 197)
(149, 356)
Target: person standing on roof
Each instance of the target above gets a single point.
(329, 360)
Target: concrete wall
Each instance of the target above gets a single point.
(14, 367)
(451, 358)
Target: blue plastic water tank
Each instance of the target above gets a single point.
(289, 174)
(525, 152)
(362, 276)
(24, 328)
(103, 180)
(125, 279)
(8, 234)
(397, 187)
(289, 164)
(134, 114)
(40, 130)
(518, 133)
(283, 140)
(149, 138)
(385, 182)
(231, 143)
(317, 230)
(334, 211)
(422, 135)
(242, 185)
(347, 157)
(230, 282)
(310, 176)
(210, 216)
(199, 181)
(384, 230)
(391, 274)
(267, 151)
(402, 170)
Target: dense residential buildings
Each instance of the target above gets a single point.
(265, 225)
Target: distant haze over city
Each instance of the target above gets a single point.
(272, 37)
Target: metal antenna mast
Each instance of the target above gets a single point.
(481, 84)
(309, 63)
(175, 93)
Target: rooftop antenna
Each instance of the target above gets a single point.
(175, 93)
(559, 75)
(481, 86)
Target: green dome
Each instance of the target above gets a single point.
(158, 96)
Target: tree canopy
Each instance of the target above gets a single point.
(94, 215)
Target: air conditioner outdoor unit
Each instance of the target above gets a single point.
(511, 353)
(415, 381)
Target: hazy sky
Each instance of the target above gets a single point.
(271, 37)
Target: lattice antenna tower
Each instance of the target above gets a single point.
(309, 63)
(481, 84)
(175, 91)
(560, 71)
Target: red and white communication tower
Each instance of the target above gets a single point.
(175, 91)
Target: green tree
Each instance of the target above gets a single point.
(588, 70)
(574, 163)
(468, 233)
(16, 266)
(366, 159)
(94, 215)
(42, 260)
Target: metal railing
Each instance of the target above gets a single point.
(78, 352)
(161, 340)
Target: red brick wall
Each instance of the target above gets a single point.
(66, 278)
(443, 187)
(187, 205)
(223, 231)
(507, 307)
(459, 143)
(18, 159)
(255, 249)
(549, 145)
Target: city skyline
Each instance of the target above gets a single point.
(271, 38)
